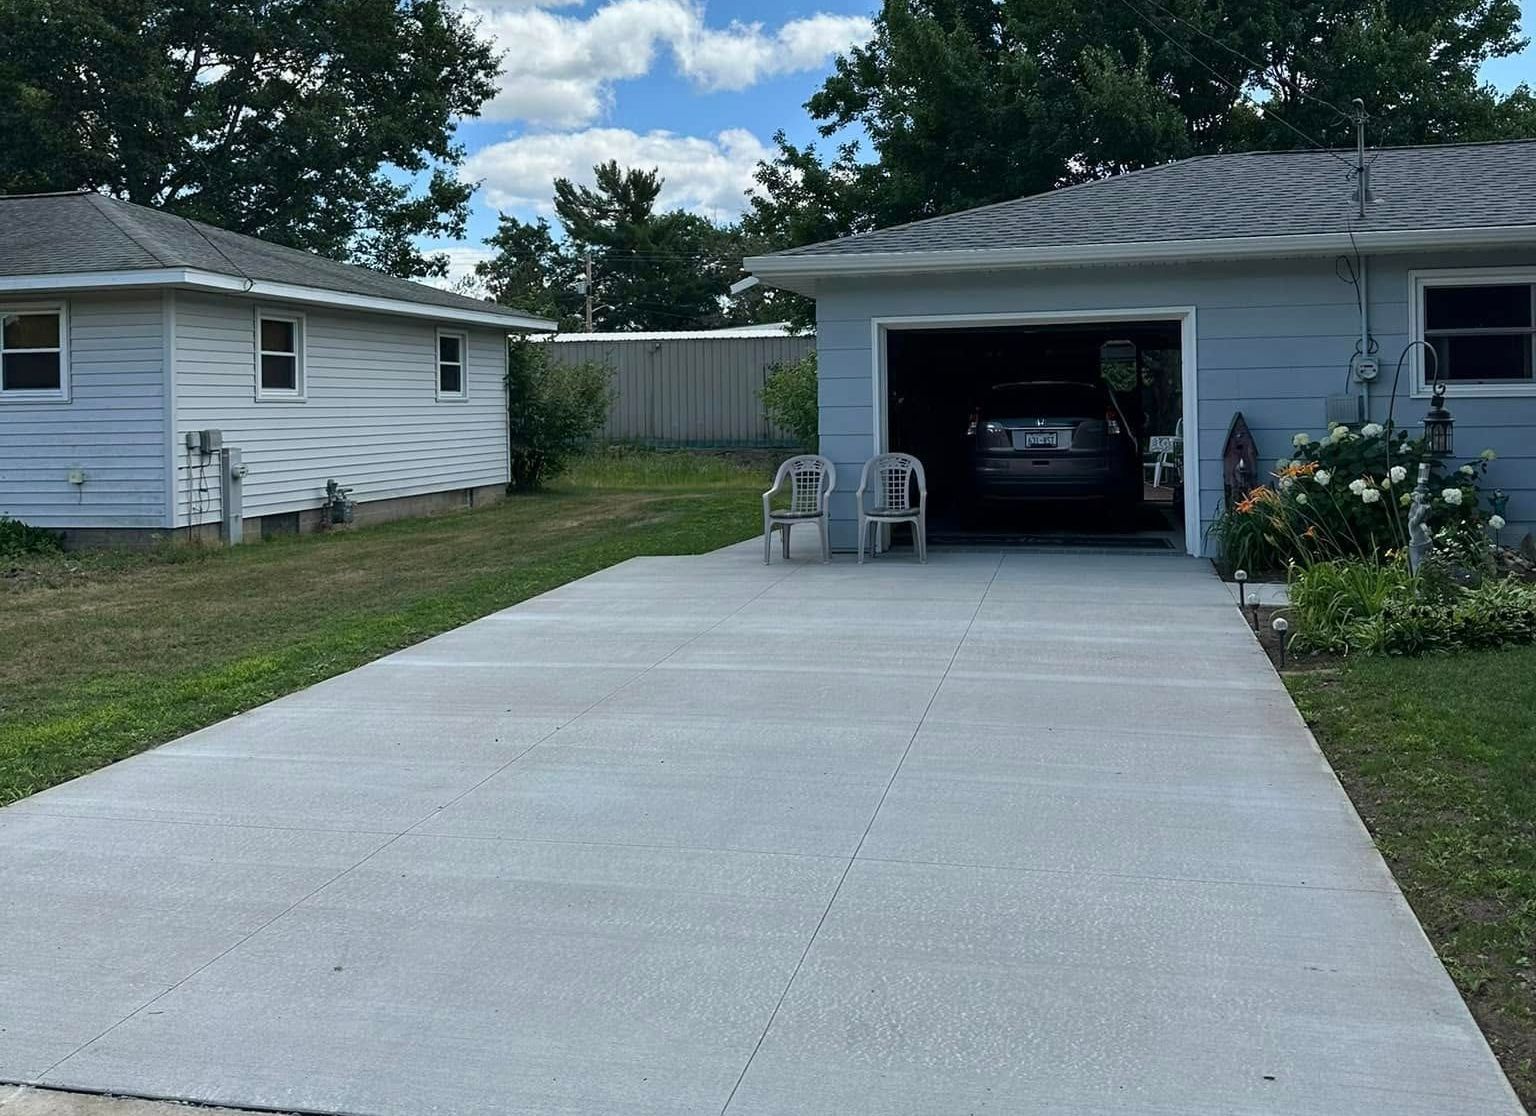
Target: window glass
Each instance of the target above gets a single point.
(31, 357)
(448, 348)
(1483, 356)
(277, 336)
(279, 373)
(450, 364)
(1493, 307)
(451, 379)
(32, 331)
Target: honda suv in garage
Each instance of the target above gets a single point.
(1053, 440)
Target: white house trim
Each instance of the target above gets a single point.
(50, 395)
(1459, 277)
(1189, 374)
(300, 391)
(193, 279)
(913, 262)
(439, 394)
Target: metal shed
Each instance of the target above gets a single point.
(695, 388)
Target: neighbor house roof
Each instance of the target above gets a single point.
(765, 329)
(83, 240)
(1213, 207)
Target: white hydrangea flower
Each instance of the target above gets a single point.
(1287, 483)
(1467, 470)
(1322, 477)
(1338, 433)
(1398, 474)
(1357, 485)
(1301, 497)
(1451, 496)
(1370, 496)
(1496, 522)
(1488, 455)
(1301, 440)
(1282, 464)
(1405, 499)
(1372, 430)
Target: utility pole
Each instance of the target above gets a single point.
(1362, 171)
(588, 255)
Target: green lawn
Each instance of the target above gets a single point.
(1439, 755)
(107, 654)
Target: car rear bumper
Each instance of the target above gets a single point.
(1021, 478)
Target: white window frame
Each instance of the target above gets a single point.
(59, 394)
(1420, 281)
(437, 366)
(299, 393)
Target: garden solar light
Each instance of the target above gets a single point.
(1438, 424)
(1281, 625)
(1241, 577)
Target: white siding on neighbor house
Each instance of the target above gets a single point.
(1274, 339)
(370, 417)
(112, 427)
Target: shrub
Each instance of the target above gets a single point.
(789, 399)
(17, 538)
(553, 410)
(1347, 496)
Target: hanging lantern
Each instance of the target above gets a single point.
(1438, 425)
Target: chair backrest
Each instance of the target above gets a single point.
(892, 474)
(811, 477)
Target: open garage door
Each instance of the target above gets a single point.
(1042, 433)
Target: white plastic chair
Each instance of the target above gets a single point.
(811, 480)
(1166, 452)
(893, 474)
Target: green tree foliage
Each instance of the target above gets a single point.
(553, 409)
(789, 399)
(299, 121)
(967, 102)
(650, 270)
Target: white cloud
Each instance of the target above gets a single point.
(559, 70)
(706, 175)
(462, 259)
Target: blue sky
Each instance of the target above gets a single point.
(696, 89)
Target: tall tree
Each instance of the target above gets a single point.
(651, 270)
(305, 122)
(532, 271)
(966, 102)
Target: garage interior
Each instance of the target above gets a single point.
(939, 380)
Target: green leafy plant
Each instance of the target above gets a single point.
(17, 538)
(1330, 599)
(552, 410)
(789, 398)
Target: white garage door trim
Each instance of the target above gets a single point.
(1184, 315)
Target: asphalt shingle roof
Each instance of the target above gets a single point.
(64, 234)
(1275, 193)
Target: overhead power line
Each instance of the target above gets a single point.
(1235, 53)
(1269, 114)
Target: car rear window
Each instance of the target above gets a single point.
(1050, 400)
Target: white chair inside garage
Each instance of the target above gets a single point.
(894, 475)
(811, 479)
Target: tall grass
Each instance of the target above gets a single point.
(633, 468)
(1330, 600)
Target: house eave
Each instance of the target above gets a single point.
(197, 280)
(796, 272)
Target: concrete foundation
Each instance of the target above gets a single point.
(303, 521)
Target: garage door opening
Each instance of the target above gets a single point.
(1066, 434)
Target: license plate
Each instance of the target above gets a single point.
(1038, 439)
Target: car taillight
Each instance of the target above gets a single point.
(1112, 421)
(995, 436)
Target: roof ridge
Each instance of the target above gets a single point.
(106, 207)
(1050, 193)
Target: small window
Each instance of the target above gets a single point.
(1483, 333)
(32, 362)
(451, 348)
(279, 356)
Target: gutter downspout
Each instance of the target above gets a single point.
(1365, 334)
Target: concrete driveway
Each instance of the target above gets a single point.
(1034, 833)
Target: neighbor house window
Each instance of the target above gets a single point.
(33, 364)
(279, 355)
(451, 378)
(1482, 328)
